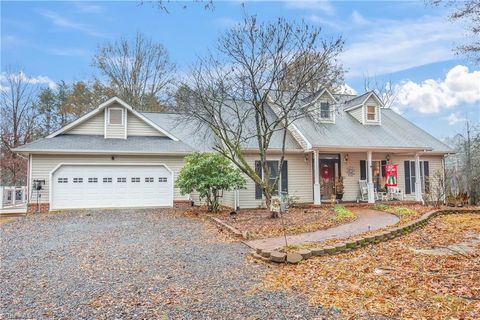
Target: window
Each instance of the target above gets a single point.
(325, 113)
(107, 180)
(62, 180)
(371, 113)
(136, 179)
(272, 166)
(77, 180)
(92, 180)
(411, 176)
(121, 179)
(115, 116)
(149, 179)
(162, 179)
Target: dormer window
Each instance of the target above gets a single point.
(325, 112)
(371, 113)
(115, 116)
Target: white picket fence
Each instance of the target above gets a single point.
(13, 197)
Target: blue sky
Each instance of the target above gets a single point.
(404, 41)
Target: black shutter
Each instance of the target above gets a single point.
(384, 163)
(258, 171)
(284, 176)
(426, 173)
(407, 177)
(363, 170)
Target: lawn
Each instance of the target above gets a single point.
(432, 273)
(258, 224)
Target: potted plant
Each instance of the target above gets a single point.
(339, 188)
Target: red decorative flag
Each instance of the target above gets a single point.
(391, 175)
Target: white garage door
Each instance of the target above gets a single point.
(103, 186)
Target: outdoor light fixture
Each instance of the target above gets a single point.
(388, 157)
(345, 157)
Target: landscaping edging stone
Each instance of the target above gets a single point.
(223, 225)
(296, 257)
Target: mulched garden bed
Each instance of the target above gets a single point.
(258, 224)
(394, 278)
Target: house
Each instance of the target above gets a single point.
(115, 156)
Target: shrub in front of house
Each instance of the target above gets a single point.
(209, 174)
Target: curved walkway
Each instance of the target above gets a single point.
(368, 220)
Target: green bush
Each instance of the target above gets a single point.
(342, 213)
(381, 207)
(210, 174)
(403, 211)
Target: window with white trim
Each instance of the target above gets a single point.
(149, 179)
(162, 179)
(62, 180)
(135, 179)
(371, 113)
(107, 180)
(121, 179)
(325, 111)
(92, 180)
(77, 180)
(115, 116)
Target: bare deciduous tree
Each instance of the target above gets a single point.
(385, 90)
(465, 11)
(139, 71)
(256, 85)
(17, 124)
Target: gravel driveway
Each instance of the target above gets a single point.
(132, 264)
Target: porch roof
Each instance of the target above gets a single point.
(395, 133)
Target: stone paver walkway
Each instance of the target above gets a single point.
(367, 220)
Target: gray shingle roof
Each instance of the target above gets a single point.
(356, 101)
(89, 143)
(201, 140)
(394, 132)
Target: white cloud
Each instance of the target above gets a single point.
(460, 86)
(36, 80)
(324, 6)
(389, 46)
(454, 118)
(87, 7)
(69, 24)
(358, 19)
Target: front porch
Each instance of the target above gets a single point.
(364, 175)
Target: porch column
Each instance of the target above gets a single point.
(418, 181)
(316, 175)
(371, 191)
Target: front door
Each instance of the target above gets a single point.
(327, 178)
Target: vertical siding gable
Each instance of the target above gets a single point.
(116, 131)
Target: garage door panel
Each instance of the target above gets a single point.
(122, 191)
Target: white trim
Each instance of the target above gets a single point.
(122, 110)
(365, 100)
(307, 143)
(103, 106)
(126, 124)
(375, 113)
(29, 183)
(58, 166)
(104, 123)
(104, 152)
